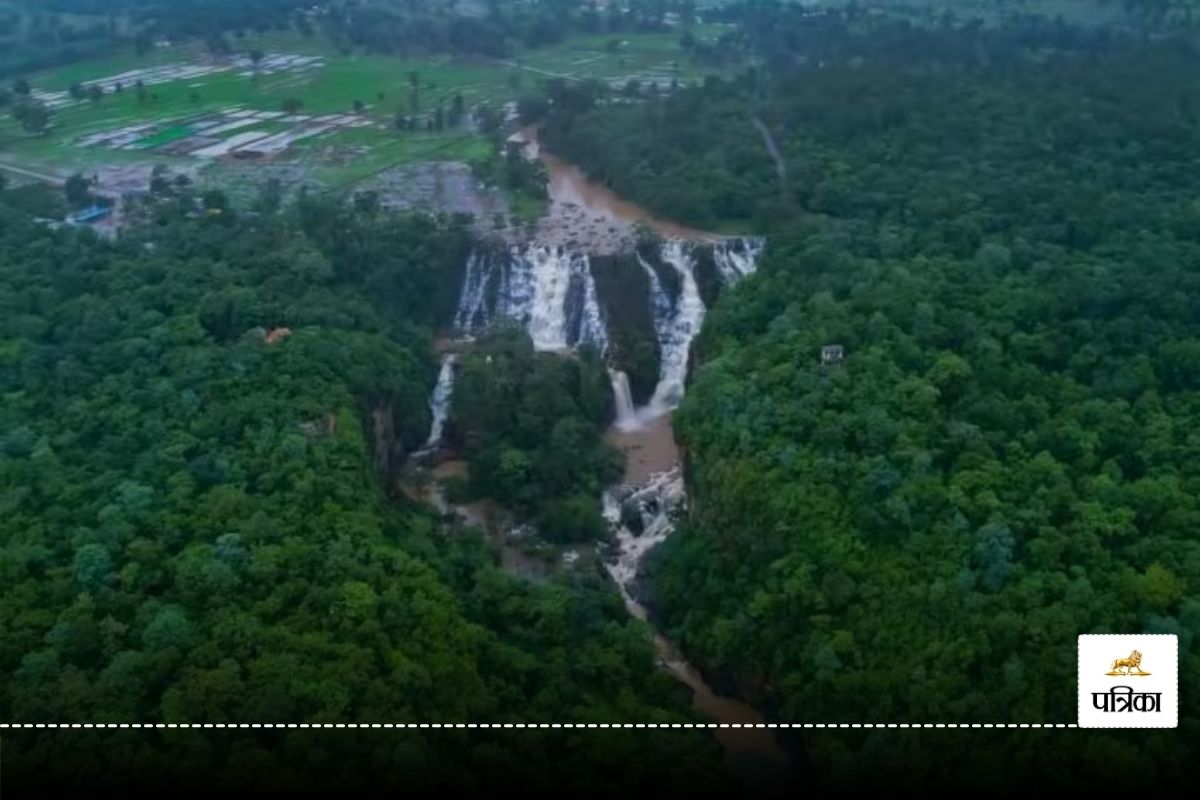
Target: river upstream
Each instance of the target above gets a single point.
(546, 285)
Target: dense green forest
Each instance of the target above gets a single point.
(530, 426)
(194, 529)
(1002, 228)
(203, 419)
(852, 107)
(34, 36)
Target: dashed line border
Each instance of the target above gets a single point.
(491, 725)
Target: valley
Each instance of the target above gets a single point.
(462, 394)
(547, 287)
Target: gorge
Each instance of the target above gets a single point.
(638, 296)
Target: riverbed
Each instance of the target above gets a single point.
(583, 213)
(532, 289)
(588, 215)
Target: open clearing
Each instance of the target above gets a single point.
(304, 110)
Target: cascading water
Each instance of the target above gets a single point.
(550, 291)
(653, 508)
(547, 290)
(472, 311)
(656, 501)
(661, 307)
(550, 272)
(439, 401)
(591, 323)
(627, 416)
(737, 258)
(655, 504)
(675, 337)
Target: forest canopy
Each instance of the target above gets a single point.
(194, 528)
(1001, 229)
(995, 221)
(530, 426)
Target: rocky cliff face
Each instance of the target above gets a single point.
(386, 450)
(640, 307)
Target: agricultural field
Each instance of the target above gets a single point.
(297, 110)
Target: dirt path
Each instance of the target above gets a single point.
(565, 76)
(44, 177)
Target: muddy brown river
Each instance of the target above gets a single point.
(588, 217)
(583, 212)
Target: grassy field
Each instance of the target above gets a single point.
(640, 55)
(381, 153)
(382, 85)
(1077, 12)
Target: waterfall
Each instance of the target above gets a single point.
(627, 417)
(547, 290)
(661, 307)
(550, 272)
(510, 298)
(472, 311)
(656, 502)
(737, 258)
(655, 505)
(551, 293)
(439, 401)
(591, 323)
(675, 336)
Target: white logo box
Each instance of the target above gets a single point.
(1129, 698)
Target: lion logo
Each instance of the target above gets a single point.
(1126, 666)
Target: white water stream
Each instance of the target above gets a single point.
(676, 333)
(627, 416)
(548, 288)
(439, 401)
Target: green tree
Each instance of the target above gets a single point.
(33, 116)
(78, 191)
